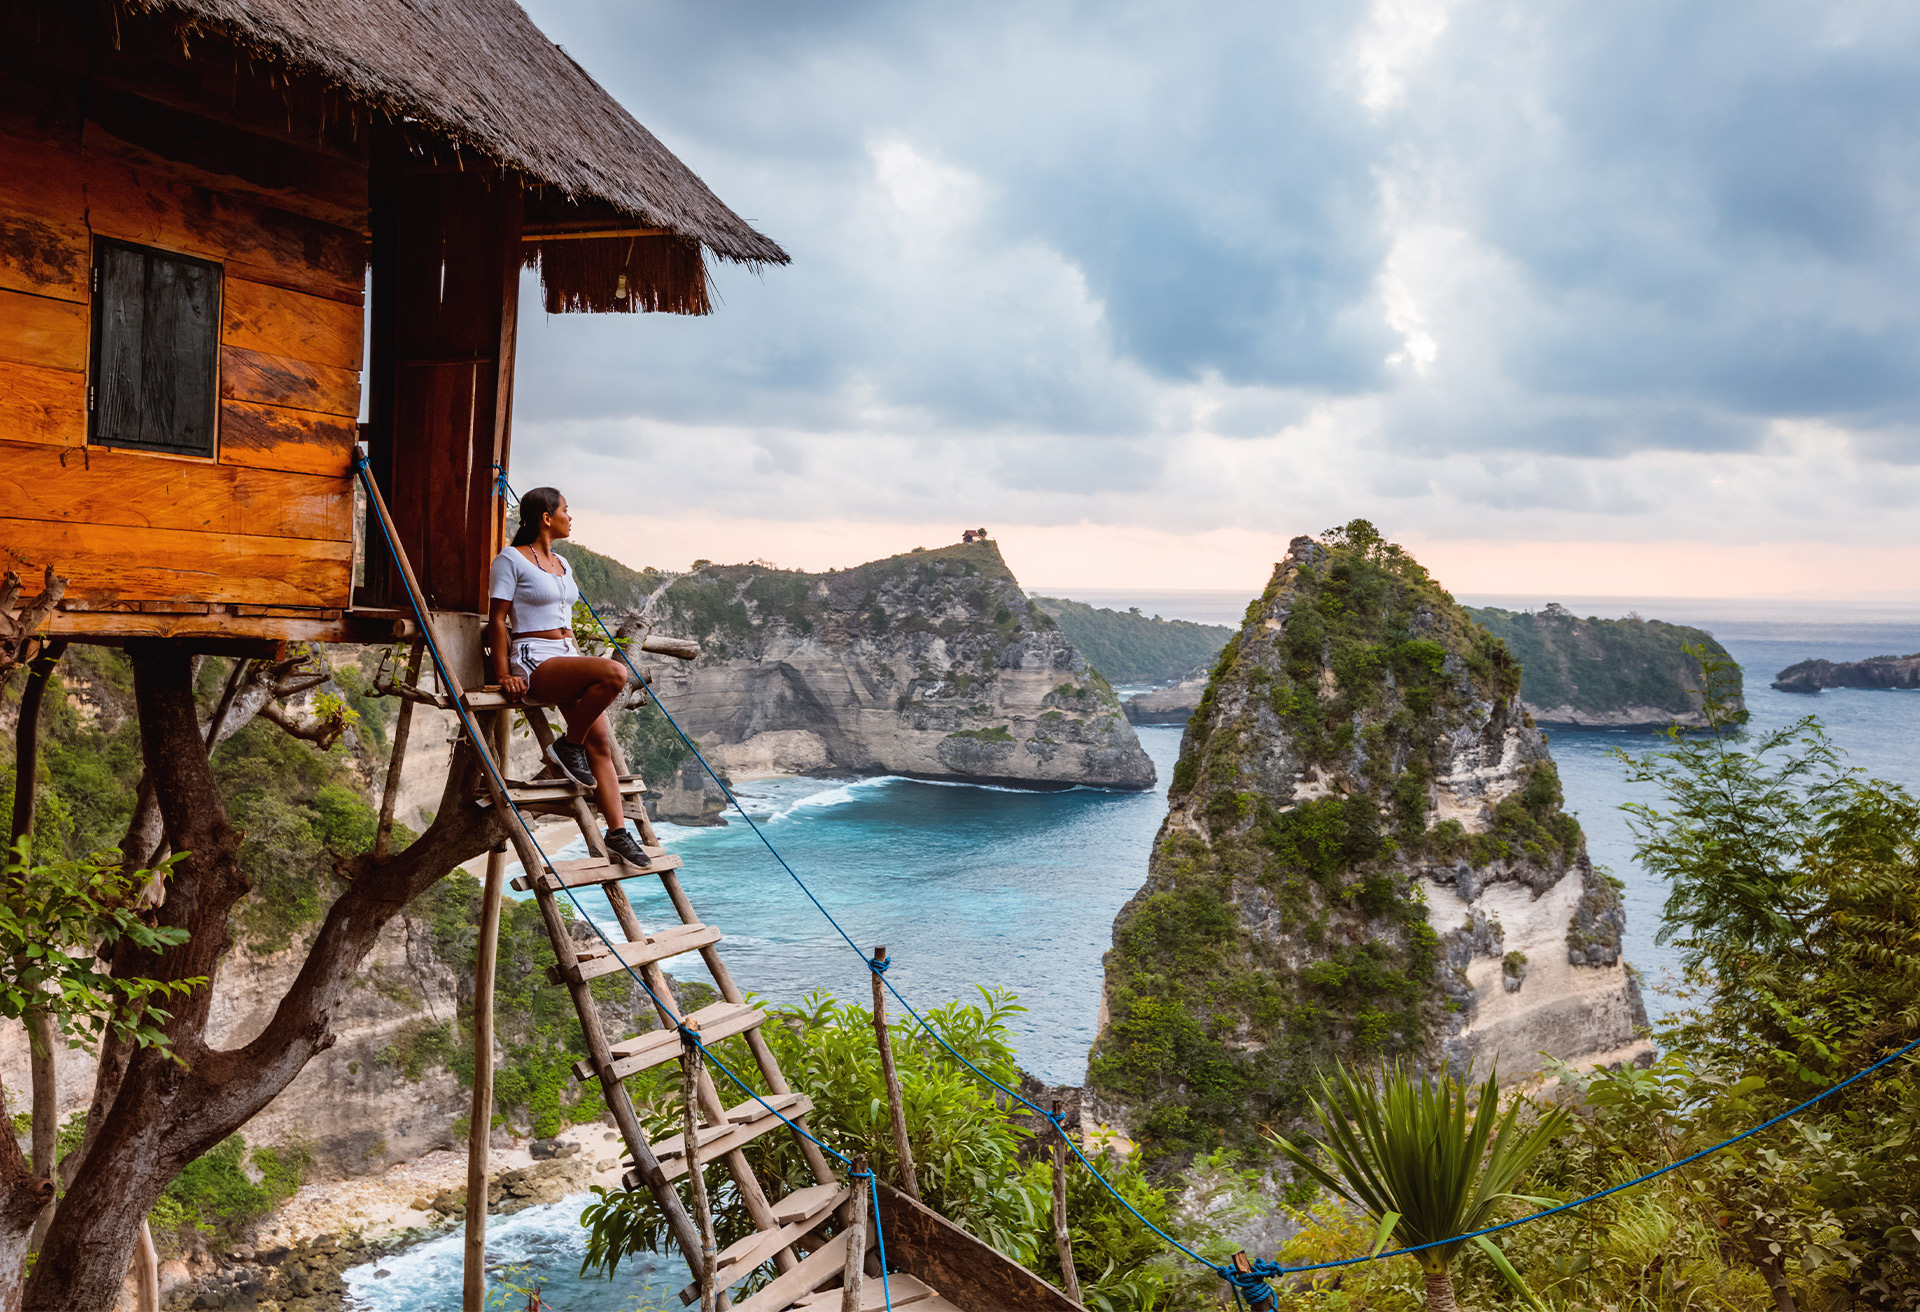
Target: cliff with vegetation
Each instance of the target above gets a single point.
(1364, 855)
(931, 664)
(1874, 672)
(1592, 673)
(1129, 647)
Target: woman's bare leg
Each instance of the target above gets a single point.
(599, 745)
(582, 688)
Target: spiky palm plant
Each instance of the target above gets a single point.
(1410, 1152)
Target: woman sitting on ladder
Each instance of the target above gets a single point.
(540, 661)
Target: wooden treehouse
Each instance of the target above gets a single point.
(239, 237)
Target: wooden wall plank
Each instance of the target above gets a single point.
(108, 561)
(258, 317)
(112, 627)
(58, 185)
(38, 330)
(44, 256)
(272, 437)
(100, 486)
(43, 405)
(284, 381)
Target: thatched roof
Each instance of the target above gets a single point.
(479, 73)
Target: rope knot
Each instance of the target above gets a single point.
(878, 965)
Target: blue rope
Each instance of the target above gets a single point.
(360, 468)
(1249, 1282)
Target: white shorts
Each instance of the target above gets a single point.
(525, 654)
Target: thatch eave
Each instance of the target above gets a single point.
(481, 76)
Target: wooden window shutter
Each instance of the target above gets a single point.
(156, 350)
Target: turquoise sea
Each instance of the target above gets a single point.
(975, 886)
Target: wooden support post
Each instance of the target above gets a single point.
(909, 1182)
(856, 1267)
(396, 758)
(480, 1113)
(1062, 1243)
(1257, 1301)
(696, 1169)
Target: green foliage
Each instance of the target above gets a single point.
(219, 1195)
(59, 924)
(1129, 647)
(604, 581)
(650, 743)
(998, 733)
(1423, 1158)
(967, 1154)
(1597, 665)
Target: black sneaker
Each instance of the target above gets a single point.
(572, 759)
(621, 843)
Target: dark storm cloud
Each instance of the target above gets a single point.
(1660, 227)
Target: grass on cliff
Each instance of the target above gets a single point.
(1599, 666)
(1129, 647)
(1213, 1029)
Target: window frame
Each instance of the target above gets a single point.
(95, 398)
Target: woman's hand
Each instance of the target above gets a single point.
(513, 686)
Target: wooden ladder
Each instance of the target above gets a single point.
(785, 1229)
(789, 1230)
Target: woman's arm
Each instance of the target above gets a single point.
(497, 640)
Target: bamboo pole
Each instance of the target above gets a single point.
(396, 758)
(480, 1116)
(902, 1149)
(856, 1267)
(1062, 1242)
(696, 1171)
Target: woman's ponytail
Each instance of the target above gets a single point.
(535, 506)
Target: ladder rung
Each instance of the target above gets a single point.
(815, 1270)
(796, 1214)
(595, 870)
(546, 791)
(656, 947)
(492, 699)
(742, 1126)
(717, 1020)
(907, 1291)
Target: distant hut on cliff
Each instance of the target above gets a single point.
(198, 197)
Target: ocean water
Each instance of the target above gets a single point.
(971, 886)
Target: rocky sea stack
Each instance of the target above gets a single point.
(932, 664)
(1365, 856)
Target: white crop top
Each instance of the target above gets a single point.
(540, 600)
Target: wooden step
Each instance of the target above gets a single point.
(589, 871)
(906, 1290)
(718, 1020)
(742, 1126)
(492, 699)
(818, 1268)
(674, 942)
(797, 1213)
(543, 792)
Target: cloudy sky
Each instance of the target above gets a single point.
(1576, 298)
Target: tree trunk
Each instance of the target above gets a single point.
(30, 1186)
(166, 1112)
(22, 1196)
(1440, 1291)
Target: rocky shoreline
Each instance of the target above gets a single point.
(1878, 672)
(299, 1256)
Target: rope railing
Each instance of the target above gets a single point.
(1250, 1283)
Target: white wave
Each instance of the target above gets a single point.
(828, 798)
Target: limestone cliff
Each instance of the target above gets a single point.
(1364, 856)
(931, 664)
(1874, 672)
